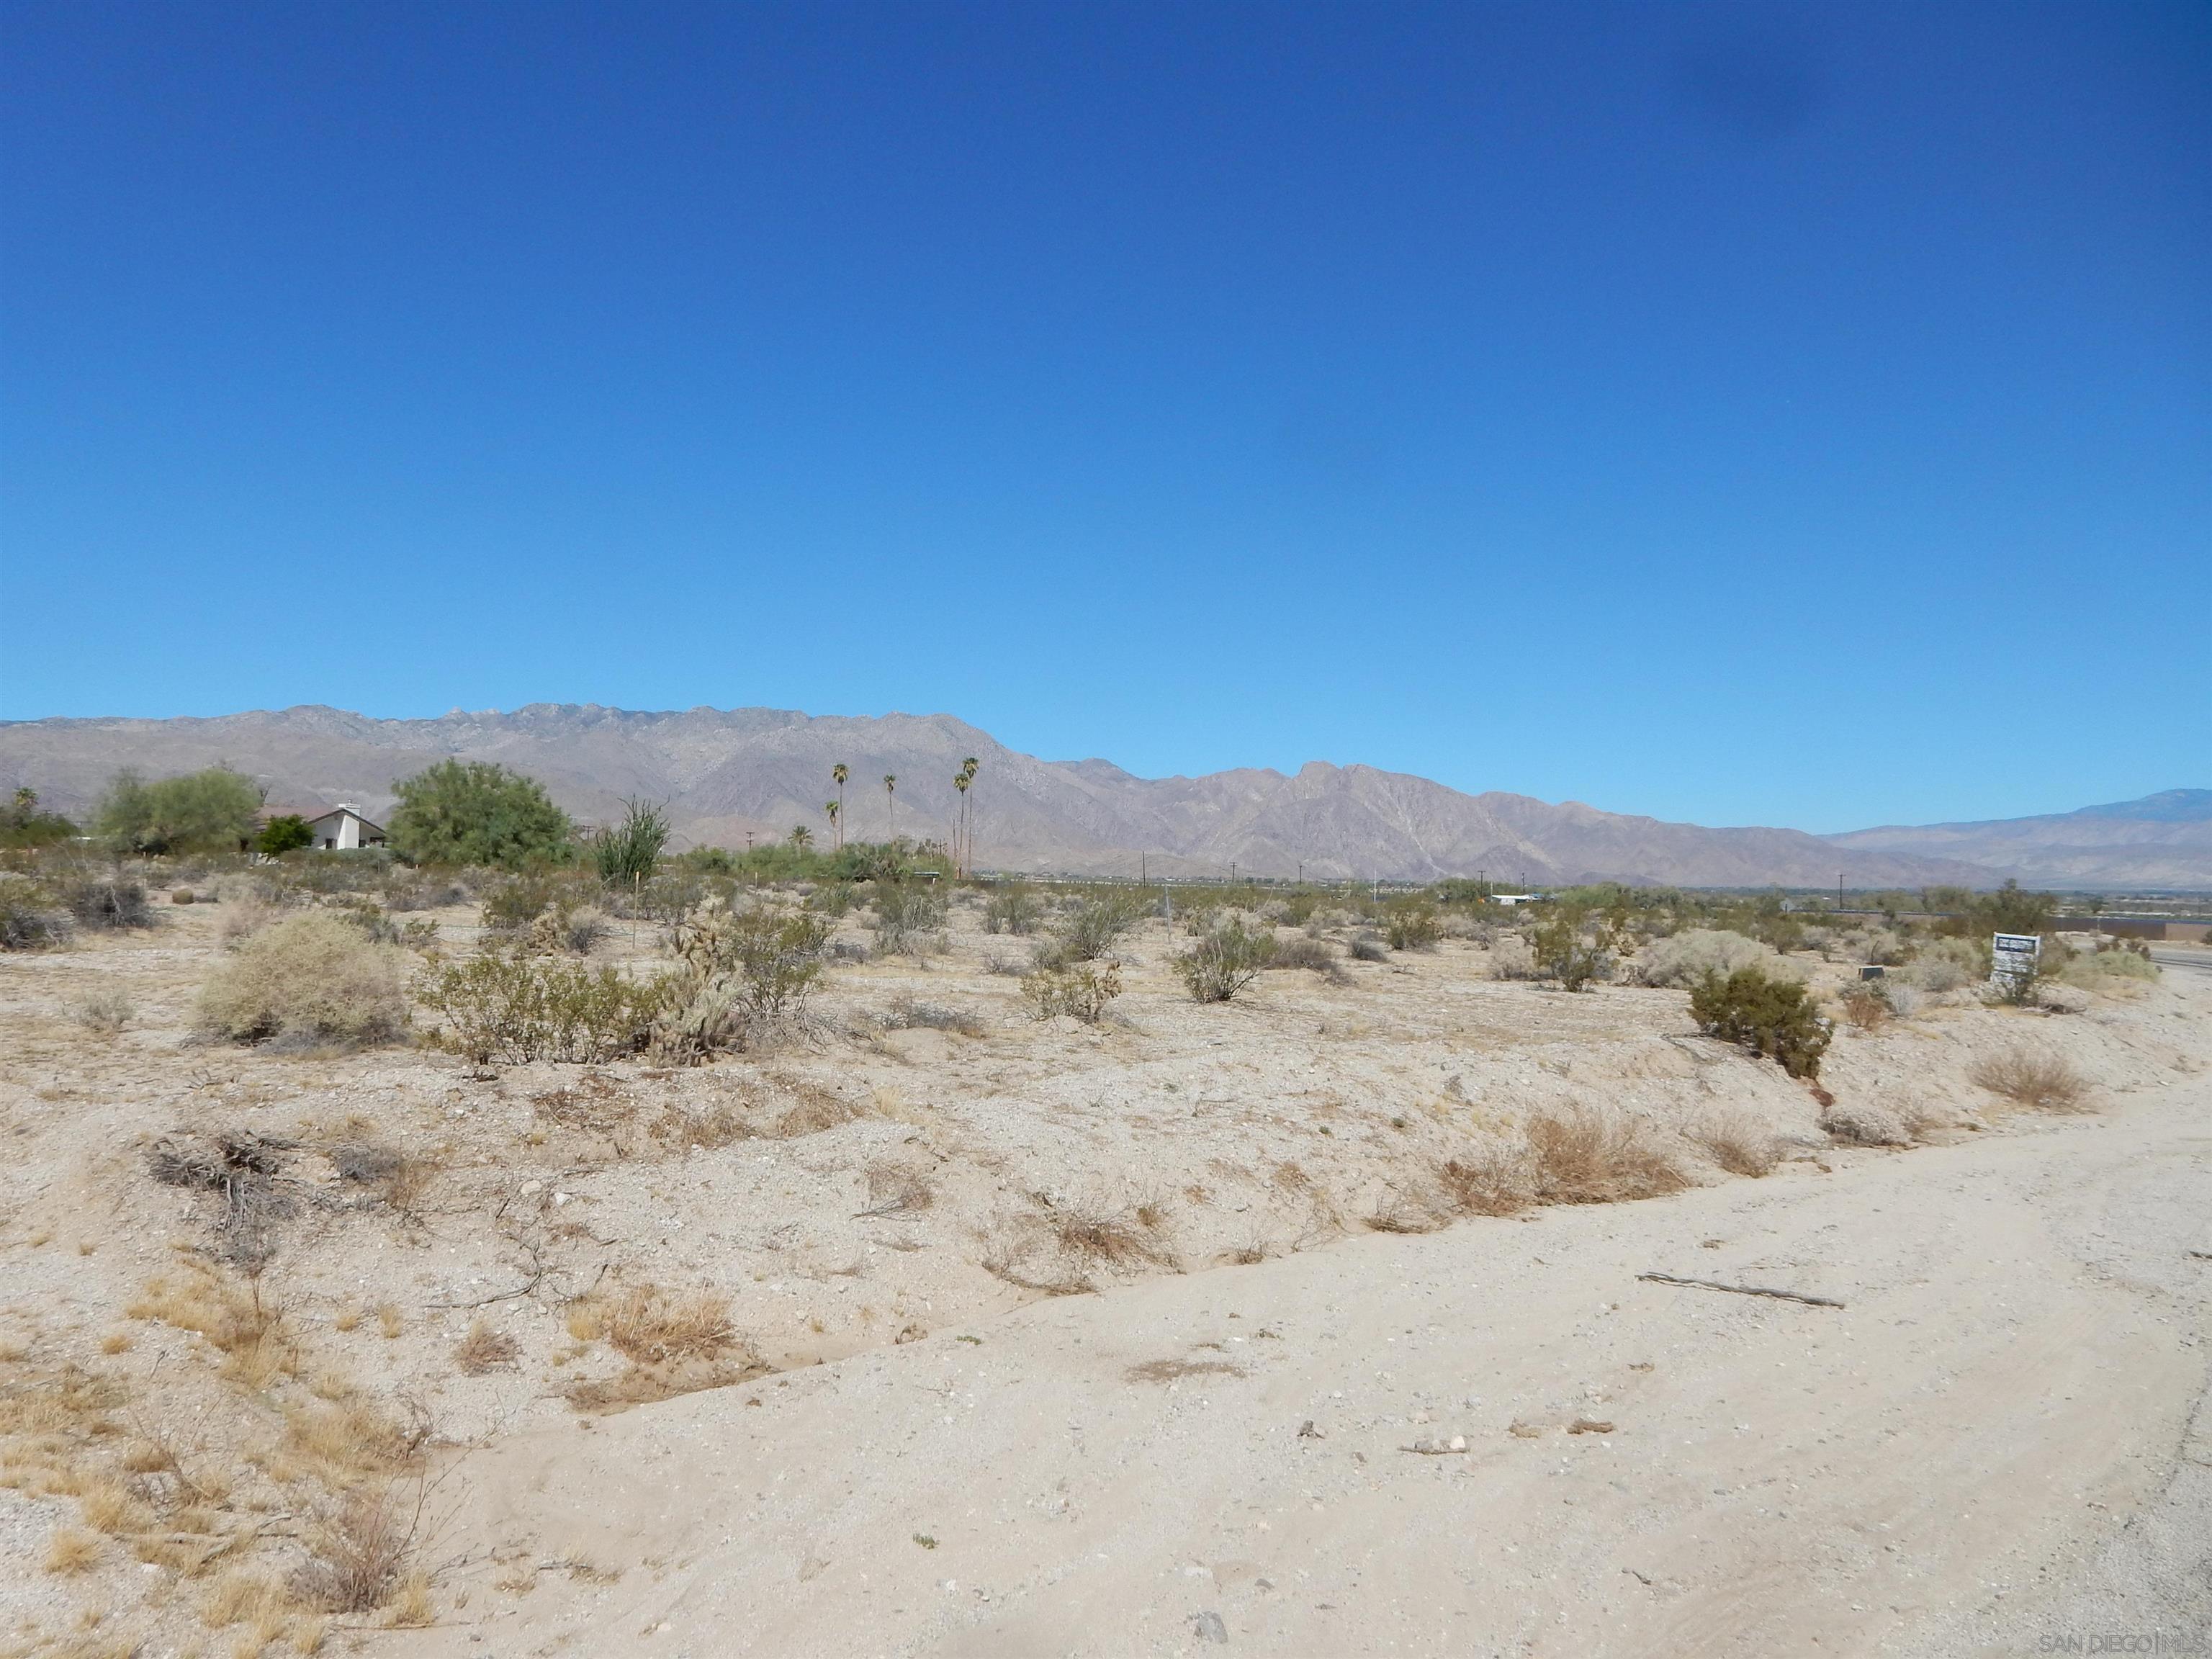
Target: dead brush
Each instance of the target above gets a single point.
(484, 1349)
(247, 1170)
(816, 1111)
(1585, 1156)
(1489, 1181)
(1739, 1143)
(235, 1319)
(2042, 1083)
(1111, 1239)
(1174, 1371)
(675, 1344)
(648, 1325)
(360, 1550)
(707, 1128)
(895, 1189)
(1398, 1213)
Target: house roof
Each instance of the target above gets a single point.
(346, 812)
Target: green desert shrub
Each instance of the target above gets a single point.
(907, 916)
(286, 833)
(1013, 910)
(1225, 960)
(201, 811)
(2107, 967)
(1094, 924)
(25, 827)
(513, 1008)
(464, 812)
(1412, 927)
(1082, 989)
(311, 979)
(1570, 949)
(1768, 1016)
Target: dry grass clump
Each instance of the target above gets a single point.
(2043, 1083)
(1491, 1181)
(1583, 1155)
(908, 1013)
(105, 1014)
(1398, 1214)
(1310, 954)
(309, 980)
(484, 1349)
(73, 1550)
(248, 1331)
(675, 1344)
(817, 1109)
(1739, 1143)
(647, 1324)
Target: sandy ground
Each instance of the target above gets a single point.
(1995, 1441)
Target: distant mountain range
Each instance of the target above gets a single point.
(2163, 840)
(727, 775)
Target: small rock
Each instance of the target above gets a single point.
(1589, 1426)
(531, 1187)
(1863, 1124)
(1209, 1627)
(1307, 1431)
(1457, 1443)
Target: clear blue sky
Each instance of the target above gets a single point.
(1782, 414)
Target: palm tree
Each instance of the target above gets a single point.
(801, 837)
(838, 773)
(836, 811)
(968, 768)
(959, 816)
(891, 796)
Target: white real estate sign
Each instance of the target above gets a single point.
(2013, 957)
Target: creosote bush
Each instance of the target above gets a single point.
(1775, 1017)
(1093, 925)
(1225, 960)
(907, 916)
(1013, 910)
(1571, 950)
(513, 1008)
(1082, 989)
(1412, 927)
(308, 980)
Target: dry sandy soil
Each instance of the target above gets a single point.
(1143, 1339)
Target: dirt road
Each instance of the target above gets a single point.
(1996, 1440)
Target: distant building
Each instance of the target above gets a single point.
(343, 828)
(1516, 898)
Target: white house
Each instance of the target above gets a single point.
(1511, 899)
(343, 827)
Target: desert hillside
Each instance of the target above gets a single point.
(729, 774)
